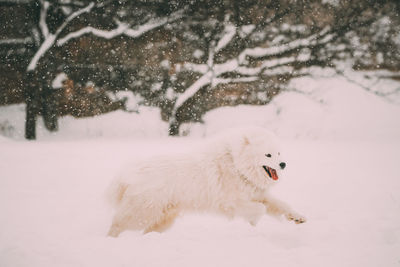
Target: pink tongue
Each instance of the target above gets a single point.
(274, 174)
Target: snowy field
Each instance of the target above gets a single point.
(341, 144)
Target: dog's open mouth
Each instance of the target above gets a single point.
(271, 172)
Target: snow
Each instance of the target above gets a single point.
(26, 40)
(121, 29)
(330, 108)
(44, 47)
(245, 30)
(211, 73)
(198, 53)
(229, 33)
(258, 52)
(341, 143)
(50, 38)
(58, 80)
(42, 21)
(192, 90)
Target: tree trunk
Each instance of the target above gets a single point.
(39, 100)
(30, 122)
(32, 106)
(49, 109)
(174, 127)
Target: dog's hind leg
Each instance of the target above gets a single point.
(124, 218)
(165, 222)
(118, 225)
(114, 231)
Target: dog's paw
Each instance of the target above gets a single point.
(254, 219)
(114, 231)
(295, 217)
(254, 212)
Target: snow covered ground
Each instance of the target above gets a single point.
(342, 147)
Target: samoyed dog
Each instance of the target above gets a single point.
(228, 174)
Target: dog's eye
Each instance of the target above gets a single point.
(268, 155)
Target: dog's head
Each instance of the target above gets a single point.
(258, 157)
(272, 172)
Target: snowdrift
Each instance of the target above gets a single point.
(342, 146)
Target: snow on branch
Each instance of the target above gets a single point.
(211, 73)
(73, 16)
(377, 83)
(218, 81)
(199, 68)
(46, 45)
(229, 33)
(26, 40)
(42, 20)
(49, 38)
(121, 29)
(142, 29)
(192, 90)
(239, 64)
(211, 77)
(259, 52)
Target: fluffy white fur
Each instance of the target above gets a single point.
(224, 176)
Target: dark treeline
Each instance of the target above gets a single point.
(185, 57)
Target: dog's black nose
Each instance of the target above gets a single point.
(283, 165)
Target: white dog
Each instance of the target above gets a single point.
(229, 175)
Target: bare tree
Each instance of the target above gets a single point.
(281, 42)
(47, 38)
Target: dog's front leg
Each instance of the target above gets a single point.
(278, 208)
(249, 210)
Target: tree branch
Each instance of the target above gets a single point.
(42, 20)
(49, 38)
(122, 29)
(73, 16)
(369, 89)
(259, 52)
(211, 73)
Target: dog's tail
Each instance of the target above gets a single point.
(116, 192)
